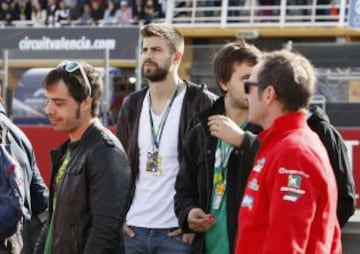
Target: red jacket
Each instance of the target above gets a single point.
(290, 199)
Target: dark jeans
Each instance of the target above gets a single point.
(154, 241)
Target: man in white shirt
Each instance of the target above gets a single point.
(151, 125)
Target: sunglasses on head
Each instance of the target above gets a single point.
(248, 83)
(70, 67)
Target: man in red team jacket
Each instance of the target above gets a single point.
(289, 205)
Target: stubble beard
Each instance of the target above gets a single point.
(244, 104)
(241, 104)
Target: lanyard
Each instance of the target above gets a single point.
(220, 171)
(156, 136)
(226, 150)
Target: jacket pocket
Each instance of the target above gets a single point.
(74, 185)
(73, 171)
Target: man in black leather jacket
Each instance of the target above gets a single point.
(37, 193)
(200, 168)
(90, 171)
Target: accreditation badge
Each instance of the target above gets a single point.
(153, 163)
(218, 197)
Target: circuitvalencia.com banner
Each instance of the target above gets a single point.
(63, 43)
(120, 41)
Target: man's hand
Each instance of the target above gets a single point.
(128, 231)
(222, 127)
(200, 221)
(188, 238)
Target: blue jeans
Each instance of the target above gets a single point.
(154, 241)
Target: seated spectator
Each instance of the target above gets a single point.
(25, 9)
(38, 15)
(81, 3)
(149, 11)
(124, 14)
(14, 9)
(62, 14)
(75, 9)
(109, 14)
(137, 8)
(97, 11)
(86, 16)
(6, 14)
(50, 12)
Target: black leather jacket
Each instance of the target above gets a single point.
(91, 198)
(195, 179)
(196, 99)
(336, 149)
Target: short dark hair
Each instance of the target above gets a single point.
(166, 31)
(291, 74)
(76, 84)
(230, 54)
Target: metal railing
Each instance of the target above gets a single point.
(248, 13)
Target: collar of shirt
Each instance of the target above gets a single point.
(284, 123)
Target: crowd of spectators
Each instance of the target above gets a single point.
(124, 12)
(80, 12)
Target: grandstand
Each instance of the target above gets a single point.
(278, 18)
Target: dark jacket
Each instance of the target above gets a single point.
(91, 198)
(36, 191)
(195, 179)
(196, 99)
(24, 153)
(336, 149)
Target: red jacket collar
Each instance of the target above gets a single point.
(286, 122)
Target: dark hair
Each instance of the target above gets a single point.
(166, 31)
(230, 54)
(292, 76)
(76, 84)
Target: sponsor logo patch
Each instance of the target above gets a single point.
(253, 185)
(247, 201)
(294, 180)
(259, 165)
(290, 196)
(293, 190)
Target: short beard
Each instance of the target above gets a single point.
(157, 75)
